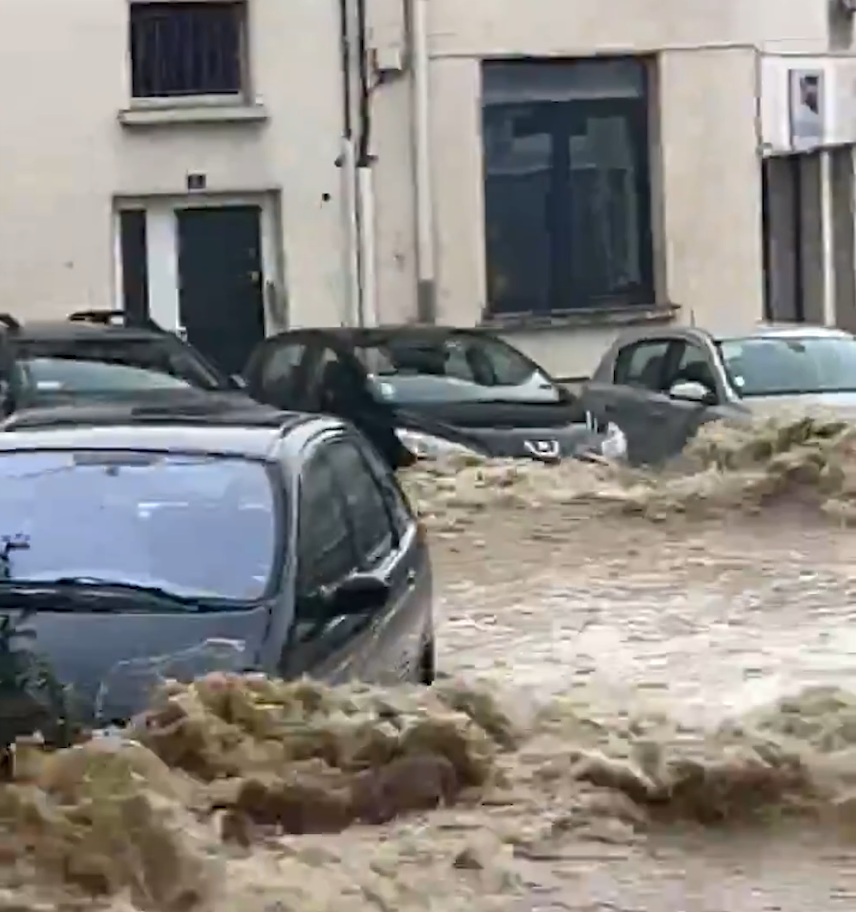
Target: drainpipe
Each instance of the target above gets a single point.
(367, 245)
(426, 279)
(347, 164)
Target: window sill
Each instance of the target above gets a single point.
(158, 116)
(625, 315)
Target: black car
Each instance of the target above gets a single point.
(428, 391)
(99, 355)
(138, 546)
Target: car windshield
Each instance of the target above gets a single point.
(790, 365)
(82, 367)
(195, 526)
(454, 368)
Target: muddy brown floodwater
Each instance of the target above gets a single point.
(704, 620)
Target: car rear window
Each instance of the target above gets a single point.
(80, 366)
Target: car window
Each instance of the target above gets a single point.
(166, 357)
(365, 503)
(790, 364)
(277, 370)
(325, 546)
(196, 526)
(453, 367)
(66, 375)
(396, 501)
(641, 364)
(694, 366)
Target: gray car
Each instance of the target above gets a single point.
(136, 544)
(660, 385)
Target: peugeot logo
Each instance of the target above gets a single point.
(543, 449)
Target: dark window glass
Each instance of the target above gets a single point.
(366, 506)
(641, 364)
(567, 190)
(325, 550)
(135, 264)
(182, 49)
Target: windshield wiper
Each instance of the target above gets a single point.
(70, 592)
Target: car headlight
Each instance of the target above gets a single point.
(427, 446)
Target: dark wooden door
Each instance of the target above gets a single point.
(221, 286)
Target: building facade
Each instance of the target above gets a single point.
(554, 170)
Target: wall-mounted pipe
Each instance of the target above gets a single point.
(347, 163)
(426, 278)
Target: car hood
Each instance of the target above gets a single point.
(845, 403)
(115, 660)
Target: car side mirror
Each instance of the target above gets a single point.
(691, 391)
(361, 593)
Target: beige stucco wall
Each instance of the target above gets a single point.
(64, 156)
(705, 155)
(63, 153)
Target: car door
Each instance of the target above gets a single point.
(691, 361)
(325, 556)
(345, 526)
(632, 396)
(392, 549)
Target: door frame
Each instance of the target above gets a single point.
(162, 249)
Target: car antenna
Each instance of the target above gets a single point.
(692, 317)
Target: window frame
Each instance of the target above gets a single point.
(213, 99)
(563, 297)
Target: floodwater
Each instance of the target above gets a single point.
(704, 621)
(660, 701)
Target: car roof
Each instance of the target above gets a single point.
(79, 330)
(249, 434)
(368, 335)
(785, 331)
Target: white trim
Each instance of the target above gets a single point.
(162, 247)
(118, 267)
(162, 263)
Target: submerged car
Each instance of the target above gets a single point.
(660, 385)
(429, 391)
(136, 547)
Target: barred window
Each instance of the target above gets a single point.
(185, 49)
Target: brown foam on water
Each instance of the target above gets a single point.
(181, 813)
(727, 466)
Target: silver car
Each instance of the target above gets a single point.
(660, 385)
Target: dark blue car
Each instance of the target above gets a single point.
(136, 546)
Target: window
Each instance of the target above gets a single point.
(365, 504)
(185, 49)
(325, 551)
(453, 367)
(198, 526)
(641, 364)
(567, 190)
(694, 366)
(396, 502)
